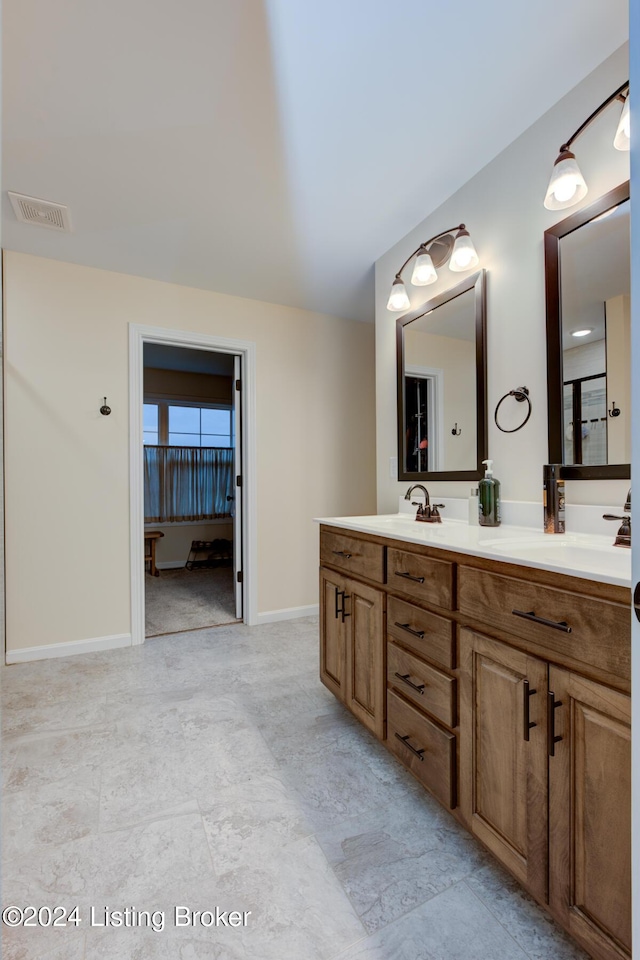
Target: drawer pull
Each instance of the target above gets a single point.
(552, 706)
(414, 633)
(418, 687)
(555, 624)
(526, 723)
(409, 576)
(342, 553)
(405, 740)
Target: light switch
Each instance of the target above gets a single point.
(393, 468)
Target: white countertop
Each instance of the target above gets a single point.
(588, 556)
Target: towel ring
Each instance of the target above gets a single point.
(521, 394)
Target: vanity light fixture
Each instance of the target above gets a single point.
(582, 333)
(458, 250)
(567, 186)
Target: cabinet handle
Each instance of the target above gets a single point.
(552, 706)
(418, 687)
(337, 608)
(342, 553)
(555, 624)
(345, 596)
(414, 633)
(526, 723)
(405, 740)
(409, 576)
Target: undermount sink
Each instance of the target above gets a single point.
(567, 553)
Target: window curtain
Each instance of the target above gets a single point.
(187, 483)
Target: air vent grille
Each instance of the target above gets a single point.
(42, 213)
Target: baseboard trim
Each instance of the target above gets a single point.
(49, 650)
(288, 613)
(170, 564)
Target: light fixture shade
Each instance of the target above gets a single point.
(463, 255)
(398, 299)
(622, 139)
(567, 185)
(424, 271)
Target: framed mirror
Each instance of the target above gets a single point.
(588, 279)
(442, 411)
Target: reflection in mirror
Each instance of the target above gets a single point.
(589, 428)
(441, 424)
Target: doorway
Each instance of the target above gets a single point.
(193, 535)
(192, 489)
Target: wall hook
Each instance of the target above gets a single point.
(104, 409)
(455, 431)
(615, 411)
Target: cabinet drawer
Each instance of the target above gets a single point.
(428, 688)
(594, 631)
(424, 747)
(421, 577)
(349, 553)
(425, 633)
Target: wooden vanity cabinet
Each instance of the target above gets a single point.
(504, 690)
(590, 813)
(503, 754)
(352, 646)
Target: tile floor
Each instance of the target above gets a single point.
(212, 768)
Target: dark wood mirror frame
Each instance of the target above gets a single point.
(477, 283)
(552, 237)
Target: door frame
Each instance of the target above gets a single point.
(139, 334)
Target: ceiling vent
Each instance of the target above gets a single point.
(42, 213)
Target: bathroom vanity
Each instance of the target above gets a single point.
(501, 681)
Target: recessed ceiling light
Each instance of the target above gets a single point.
(582, 333)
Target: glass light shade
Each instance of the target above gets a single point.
(463, 255)
(424, 271)
(567, 185)
(398, 299)
(622, 139)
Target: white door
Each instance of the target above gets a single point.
(237, 470)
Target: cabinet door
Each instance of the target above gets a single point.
(503, 761)
(332, 634)
(590, 814)
(365, 649)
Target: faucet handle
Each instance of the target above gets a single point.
(627, 506)
(623, 536)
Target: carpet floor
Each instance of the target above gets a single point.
(188, 600)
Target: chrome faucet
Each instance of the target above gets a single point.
(426, 512)
(623, 536)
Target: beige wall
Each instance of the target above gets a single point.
(67, 535)
(502, 207)
(174, 547)
(457, 360)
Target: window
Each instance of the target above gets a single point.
(188, 461)
(187, 424)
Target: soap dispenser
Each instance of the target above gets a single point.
(489, 494)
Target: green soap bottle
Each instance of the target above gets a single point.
(489, 496)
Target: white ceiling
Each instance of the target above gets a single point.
(272, 149)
